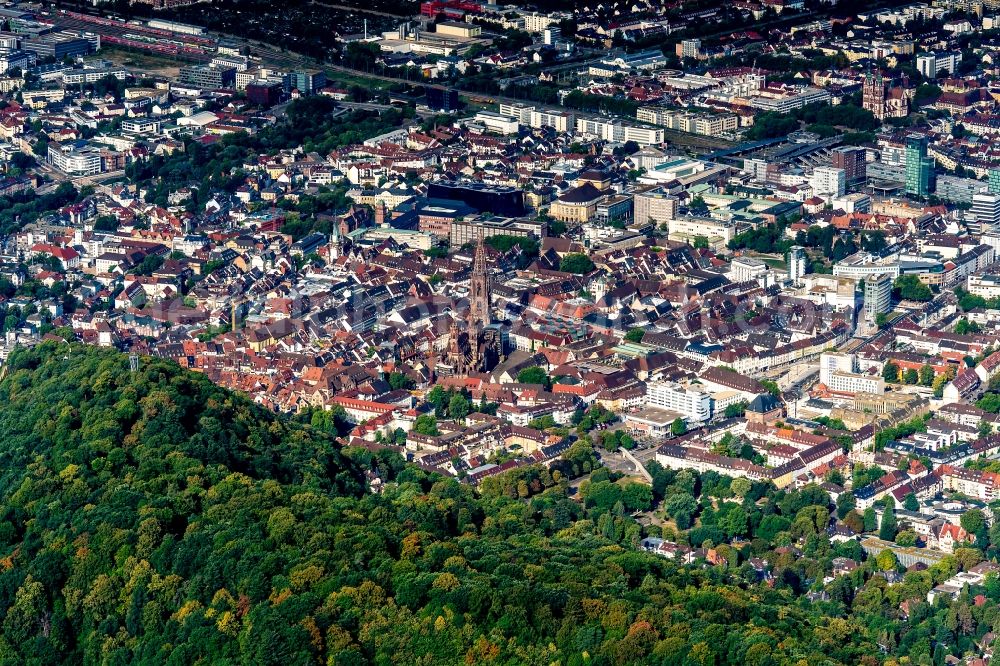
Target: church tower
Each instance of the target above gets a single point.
(873, 95)
(479, 290)
(336, 246)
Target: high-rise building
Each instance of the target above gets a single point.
(307, 82)
(933, 65)
(878, 295)
(797, 262)
(654, 206)
(994, 181)
(920, 179)
(828, 182)
(986, 208)
(689, 48)
(442, 99)
(852, 159)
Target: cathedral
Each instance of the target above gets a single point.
(479, 348)
(882, 99)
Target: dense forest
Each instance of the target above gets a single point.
(151, 517)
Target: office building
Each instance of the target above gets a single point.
(920, 179)
(205, 76)
(465, 230)
(828, 182)
(306, 82)
(498, 200)
(694, 406)
(746, 269)
(994, 181)
(797, 263)
(75, 158)
(264, 95)
(442, 99)
(614, 130)
(933, 65)
(986, 208)
(852, 159)
(77, 77)
(854, 202)
(878, 295)
(655, 206)
(59, 45)
(689, 48)
(838, 372)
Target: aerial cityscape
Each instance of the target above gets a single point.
(455, 332)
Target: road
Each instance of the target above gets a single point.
(358, 10)
(79, 181)
(367, 106)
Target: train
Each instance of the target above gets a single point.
(138, 26)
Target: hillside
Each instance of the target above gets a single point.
(153, 518)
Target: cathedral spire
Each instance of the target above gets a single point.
(479, 291)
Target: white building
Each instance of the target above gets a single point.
(878, 294)
(73, 159)
(839, 373)
(931, 65)
(987, 286)
(746, 269)
(797, 263)
(986, 208)
(615, 130)
(693, 405)
(828, 182)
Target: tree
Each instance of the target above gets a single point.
(870, 519)
(964, 327)
(973, 521)
(845, 504)
(397, 380)
(886, 560)
(681, 507)
(939, 383)
(635, 334)
(576, 263)
(890, 372)
(736, 409)
(910, 502)
(990, 402)
(906, 538)
(772, 387)
(534, 375)
(678, 427)
(912, 289)
(926, 375)
(740, 486)
(426, 424)
(459, 406)
(911, 376)
(106, 223)
(887, 529)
